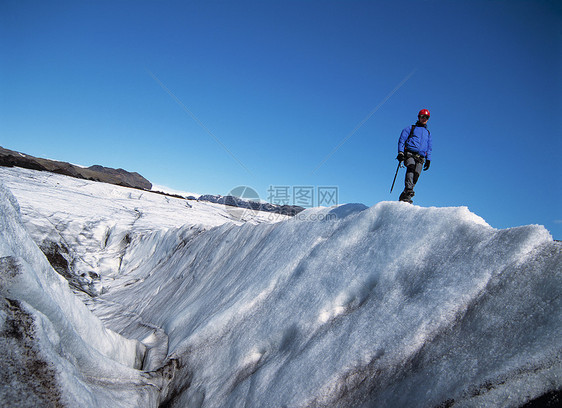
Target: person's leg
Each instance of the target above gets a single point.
(417, 171)
(413, 171)
(409, 180)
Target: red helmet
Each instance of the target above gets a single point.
(424, 112)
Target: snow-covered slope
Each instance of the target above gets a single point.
(389, 306)
(85, 227)
(54, 351)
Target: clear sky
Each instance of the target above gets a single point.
(205, 96)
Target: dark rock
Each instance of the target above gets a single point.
(23, 362)
(10, 158)
(550, 399)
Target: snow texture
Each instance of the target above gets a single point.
(53, 348)
(389, 306)
(85, 227)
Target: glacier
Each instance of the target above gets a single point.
(389, 306)
(85, 227)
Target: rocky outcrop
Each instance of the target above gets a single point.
(233, 201)
(120, 177)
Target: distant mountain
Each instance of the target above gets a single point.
(234, 201)
(120, 177)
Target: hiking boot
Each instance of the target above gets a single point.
(406, 196)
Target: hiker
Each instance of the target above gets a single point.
(414, 149)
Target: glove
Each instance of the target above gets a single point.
(426, 165)
(400, 156)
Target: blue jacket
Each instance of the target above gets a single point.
(420, 142)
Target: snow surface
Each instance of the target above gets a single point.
(90, 224)
(393, 305)
(89, 359)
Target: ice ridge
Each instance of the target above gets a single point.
(394, 305)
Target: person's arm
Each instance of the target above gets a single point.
(428, 155)
(429, 144)
(402, 140)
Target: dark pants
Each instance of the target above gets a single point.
(414, 165)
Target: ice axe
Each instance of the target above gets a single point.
(395, 174)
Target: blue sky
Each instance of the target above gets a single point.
(205, 96)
